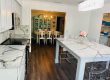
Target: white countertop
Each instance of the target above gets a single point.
(11, 55)
(86, 49)
(84, 52)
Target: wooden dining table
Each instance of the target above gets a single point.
(84, 53)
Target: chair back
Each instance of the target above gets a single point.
(56, 34)
(42, 34)
(49, 34)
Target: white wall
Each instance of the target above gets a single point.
(96, 22)
(82, 22)
(4, 36)
(74, 20)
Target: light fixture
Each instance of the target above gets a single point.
(90, 5)
(51, 16)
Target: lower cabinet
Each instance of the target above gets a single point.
(16, 73)
(21, 75)
(21, 70)
(8, 74)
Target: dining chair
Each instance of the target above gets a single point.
(49, 37)
(37, 36)
(99, 71)
(56, 35)
(42, 36)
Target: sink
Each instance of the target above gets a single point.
(12, 41)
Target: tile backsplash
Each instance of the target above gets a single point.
(4, 36)
(22, 31)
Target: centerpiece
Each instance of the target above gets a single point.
(82, 36)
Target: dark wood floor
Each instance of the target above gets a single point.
(41, 65)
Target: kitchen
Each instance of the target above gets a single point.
(14, 40)
(17, 39)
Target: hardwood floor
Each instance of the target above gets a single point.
(41, 65)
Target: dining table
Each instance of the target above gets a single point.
(85, 52)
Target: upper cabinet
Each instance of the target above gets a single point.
(7, 7)
(19, 1)
(5, 15)
(9, 14)
(2, 15)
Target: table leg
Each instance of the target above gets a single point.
(57, 52)
(80, 70)
(37, 39)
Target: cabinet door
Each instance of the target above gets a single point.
(3, 15)
(9, 14)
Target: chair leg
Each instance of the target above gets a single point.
(51, 41)
(46, 41)
(60, 59)
(39, 41)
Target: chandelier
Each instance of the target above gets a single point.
(90, 5)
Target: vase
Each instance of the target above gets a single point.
(81, 39)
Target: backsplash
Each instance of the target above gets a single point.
(21, 31)
(4, 36)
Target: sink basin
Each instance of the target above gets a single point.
(12, 41)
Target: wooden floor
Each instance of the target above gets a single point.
(41, 65)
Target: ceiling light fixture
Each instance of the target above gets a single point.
(90, 5)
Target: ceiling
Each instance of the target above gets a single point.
(66, 1)
(60, 1)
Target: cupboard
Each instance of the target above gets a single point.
(5, 15)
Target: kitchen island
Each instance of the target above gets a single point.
(12, 62)
(84, 52)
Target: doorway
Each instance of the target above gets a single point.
(46, 26)
(60, 24)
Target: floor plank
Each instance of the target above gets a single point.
(41, 65)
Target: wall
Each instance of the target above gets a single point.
(96, 22)
(4, 36)
(73, 21)
(49, 19)
(82, 22)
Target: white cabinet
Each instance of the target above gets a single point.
(5, 15)
(19, 1)
(2, 15)
(9, 14)
(13, 70)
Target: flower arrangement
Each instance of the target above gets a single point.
(83, 34)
